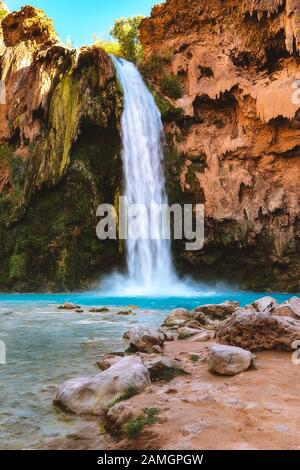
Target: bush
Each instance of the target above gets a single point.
(110, 47)
(171, 86)
(155, 63)
(134, 427)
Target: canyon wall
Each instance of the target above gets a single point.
(224, 76)
(59, 156)
(233, 137)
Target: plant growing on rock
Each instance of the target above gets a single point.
(134, 427)
(153, 65)
(171, 86)
(126, 43)
(129, 393)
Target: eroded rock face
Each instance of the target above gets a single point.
(258, 331)
(235, 147)
(93, 396)
(29, 24)
(59, 137)
(228, 360)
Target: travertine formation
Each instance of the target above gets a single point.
(235, 146)
(232, 142)
(59, 155)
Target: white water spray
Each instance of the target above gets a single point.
(149, 261)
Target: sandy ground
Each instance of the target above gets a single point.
(258, 409)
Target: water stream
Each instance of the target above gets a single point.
(149, 261)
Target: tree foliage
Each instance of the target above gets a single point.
(111, 47)
(126, 43)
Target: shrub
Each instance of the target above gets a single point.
(134, 427)
(171, 86)
(195, 358)
(168, 374)
(155, 63)
(110, 47)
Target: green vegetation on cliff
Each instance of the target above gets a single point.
(126, 43)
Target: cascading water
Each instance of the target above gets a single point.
(149, 261)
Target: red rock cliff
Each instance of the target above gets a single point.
(236, 146)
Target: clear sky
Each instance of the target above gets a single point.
(81, 19)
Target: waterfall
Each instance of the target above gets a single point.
(149, 261)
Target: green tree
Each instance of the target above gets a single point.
(126, 32)
(126, 39)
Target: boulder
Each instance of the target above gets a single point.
(93, 396)
(145, 339)
(218, 311)
(161, 366)
(187, 332)
(178, 317)
(228, 360)
(125, 313)
(258, 331)
(109, 360)
(204, 321)
(265, 303)
(291, 308)
(202, 337)
(195, 325)
(99, 310)
(69, 306)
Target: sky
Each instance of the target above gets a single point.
(81, 19)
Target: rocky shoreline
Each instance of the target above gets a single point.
(219, 367)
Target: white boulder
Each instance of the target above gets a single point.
(228, 360)
(93, 396)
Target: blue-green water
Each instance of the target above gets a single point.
(46, 346)
(188, 301)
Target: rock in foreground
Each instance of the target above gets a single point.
(161, 367)
(178, 317)
(263, 304)
(93, 396)
(145, 339)
(228, 360)
(258, 331)
(291, 308)
(219, 311)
